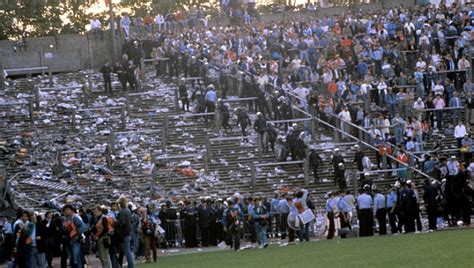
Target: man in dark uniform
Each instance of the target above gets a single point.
(314, 161)
(408, 207)
(225, 114)
(270, 137)
(106, 70)
(183, 95)
(203, 218)
(260, 125)
(243, 120)
(121, 74)
(431, 203)
(392, 209)
(130, 72)
(365, 213)
(189, 215)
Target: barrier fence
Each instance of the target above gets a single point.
(176, 233)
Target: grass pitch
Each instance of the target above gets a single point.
(438, 249)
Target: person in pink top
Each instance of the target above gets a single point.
(439, 105)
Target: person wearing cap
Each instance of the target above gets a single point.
(260, 217)
(344, 214)
(408, 207)
(365, 214)
(380, 212)
(75, 228)
(392, 209)
(315, 161)
(260, 126)
(204, 212)
(189, 213)
(330, 210)
(430, 194)
(284, 210)
(211, 98)
(183, 94)
(243, 120)
(224, 115)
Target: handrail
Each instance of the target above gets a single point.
(138, 131)
(83, 150)
(380, 170)
(231, 138)
(239, 99)
(445, 108)
(190, 115)
(157, 59)
(25, 69)
(279, 163)
(184, 156)
(99, 109)
(59, 87)
(290, 120)
(363, 142)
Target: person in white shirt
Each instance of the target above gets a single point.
(459, 133)
(438, 89)
(345, 116)
(96, 28)
(419, 105)
(301, 91)
(420, 64)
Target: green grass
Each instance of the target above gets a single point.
(439, 249)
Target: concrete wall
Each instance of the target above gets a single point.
(61, 53)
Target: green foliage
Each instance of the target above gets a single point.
(38, 19)
(34, 18)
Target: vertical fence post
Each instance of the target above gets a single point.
(166, 126)
(2, 78)
(208, 150)
(73, 119)
(112, 141)
(37, 98)
(127, 102)
(217, 118)
(50, 74)
(30, 110)
(355, 182)
(254, 174)
(176, 94)
(206, 162)
(306, 171)
(410, 164)
(163, 137)
(314, 129)
(123, 123)
(385, 167)
(108, 157)
(336, 133)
